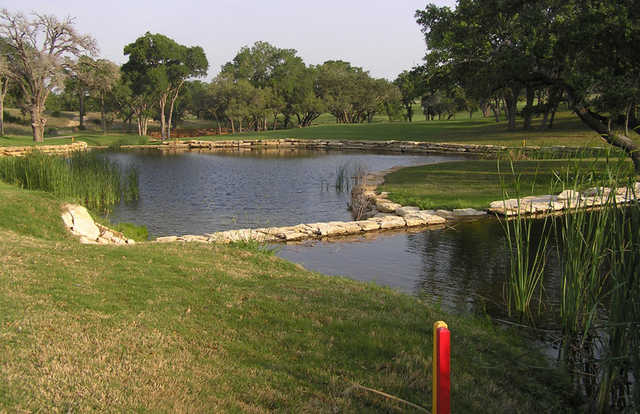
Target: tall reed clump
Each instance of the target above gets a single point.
(599, 309)
(527, 252)
(85, 177)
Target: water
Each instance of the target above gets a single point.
(462, 268)
(197, 193)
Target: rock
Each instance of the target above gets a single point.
(407, 210)
(391, 222)
(414, 220)
(467, 212)
(167, 239)
(569, 195)
(82, 223)
(386, 206)
(444, 214)
(368, 225)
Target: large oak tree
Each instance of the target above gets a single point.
(39, 51)
(157, 68)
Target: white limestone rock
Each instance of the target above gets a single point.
(406, 211)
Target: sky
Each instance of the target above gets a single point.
(380, 36)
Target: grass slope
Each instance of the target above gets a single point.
(204, 328)
(462, 184)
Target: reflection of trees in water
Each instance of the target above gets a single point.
(466, 267)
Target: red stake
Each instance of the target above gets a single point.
(441, 369)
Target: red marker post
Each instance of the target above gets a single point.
(441, 369)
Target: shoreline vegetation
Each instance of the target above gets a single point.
(202, 327)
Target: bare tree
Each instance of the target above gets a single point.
(39, 52)
(4, 87)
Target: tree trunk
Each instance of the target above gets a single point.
(173, 101)
(103, 118)
(527, 112)
(163, 121)
(275, 121)
(81, 98)
(617, 140)
(4, 87)
(37, 123)
(511, 106)
(2, 116)
(233, 128)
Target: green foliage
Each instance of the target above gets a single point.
(84, 177)
(132, 231)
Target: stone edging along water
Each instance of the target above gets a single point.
(379, 213)
(46, 149)
(324, 144)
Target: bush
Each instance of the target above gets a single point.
(52, 132)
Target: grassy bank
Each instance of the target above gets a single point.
(210, 328)
(477, 183)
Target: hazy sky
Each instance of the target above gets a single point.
(379, 35)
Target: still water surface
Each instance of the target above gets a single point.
(461, 267)
(197, 193)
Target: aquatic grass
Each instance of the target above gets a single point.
(599, 251)
(527, 253)
(349, 175)
(84, 177)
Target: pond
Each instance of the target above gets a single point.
(462, 268)
(197, 193)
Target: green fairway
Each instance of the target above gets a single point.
(568, 130)
(477, 183)
(189, 327)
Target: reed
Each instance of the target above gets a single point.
(599, 310)
(84, 177)
(528, 255)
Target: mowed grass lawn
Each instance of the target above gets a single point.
(568, 130)
(476, 183)
(206, 328)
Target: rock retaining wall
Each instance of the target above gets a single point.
(319, 144)
(47, 149)
(566, 200)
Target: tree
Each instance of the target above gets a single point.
(103, 75)
(281, 72)
(546, 45)
(39, 52)
(410, 84)
(158, 66)
(4, 84)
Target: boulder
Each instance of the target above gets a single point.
(468, 212)
(407, 210)
(368, 225)
(569, 195)
(385, 206)
(391, 222)
(82, 223)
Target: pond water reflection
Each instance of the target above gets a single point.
(462, 268)
(196, 193)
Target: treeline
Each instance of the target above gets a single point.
(491, 55)
(45, 63)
